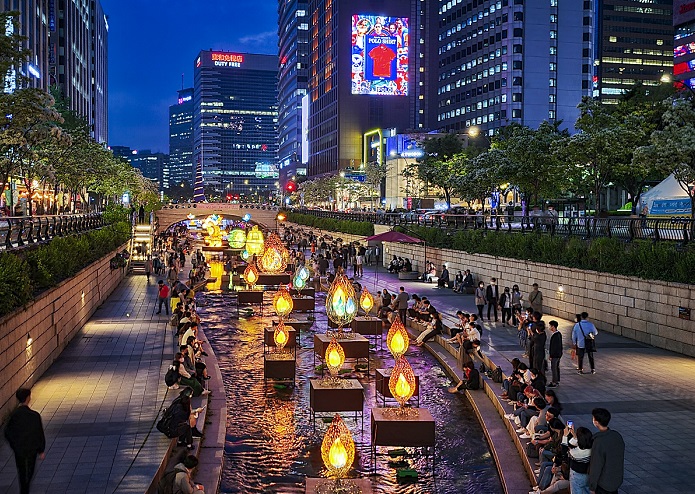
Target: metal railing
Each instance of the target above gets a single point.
(20, 231)
(656, 229)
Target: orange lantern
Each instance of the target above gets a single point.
(402, 381)
(341, 305)
(397, 339)
(366, 301)
(251, 274)
(282, 302)
(338, 449)
(281, 335)
(335, 357)
(275, 255)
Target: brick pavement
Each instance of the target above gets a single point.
(648, 391)
(100, 401)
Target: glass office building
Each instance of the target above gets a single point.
(180, 141)
(684, 42)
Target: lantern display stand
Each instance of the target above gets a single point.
(336, 395)
(382, 388)
(356, 347)
(304, 292)
(345, 486)
(338, 455)
(279, 362)
(249, 297)
(304, 303)
(369, 326)
(268, 279)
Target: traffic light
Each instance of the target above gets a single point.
(290, 186)
(229, 197)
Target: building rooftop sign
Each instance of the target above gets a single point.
(222, 59)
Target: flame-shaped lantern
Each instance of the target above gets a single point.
(254, 241)
(245, 255)
(275, 256)
(402, 381)
(281, 335)
(338, 449)
(303, 273)
(282, 302)
(237, 239)
(366, 301)
(299, 283)
(335, 357)
(397, 339)
(341, 305)
(251, 274)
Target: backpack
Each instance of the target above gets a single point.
(174, 321)
(166, 425)
(166, 483)
(497, 375)
(172, 376)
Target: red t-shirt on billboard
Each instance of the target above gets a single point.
(382, 57)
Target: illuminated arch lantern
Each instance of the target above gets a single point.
(341, 304)
(251, 275)
(338, 449)
(282, 302)
(402, 381)
(254, 241)
(275, 256)
(397, 339)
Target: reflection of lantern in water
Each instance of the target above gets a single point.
(251, 274)
(237, 239)
(282, 302)
(341, 306)
(275, 256)
(366, 301)
(281, 335)
(397, 339)
(338, 449)
(402, 381)
(335, 357)
(303, 273)
(254, 241)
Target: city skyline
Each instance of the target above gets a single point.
(138, 112)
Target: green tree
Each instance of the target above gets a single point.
(438, 166)
(375, 174)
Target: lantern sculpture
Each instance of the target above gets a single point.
(341, 305)
(366, 301)
(402, 381)
(282, 302)
(254, 241)
(303, 273)
(338, 449)
(251, 275)
(275, 256)
(397, 339)
(237, 238)
(335, 357)
(281, 335)
(299, 283)
(245, 255)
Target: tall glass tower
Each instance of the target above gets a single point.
(181, 141)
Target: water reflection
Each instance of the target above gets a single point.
(271, 445)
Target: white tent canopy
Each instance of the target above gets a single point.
(668, 190)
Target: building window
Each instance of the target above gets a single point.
(552, 82)
(551, 114)
(552, 98)
(553, 67)
(553, 34)
(517, 97)
(517, 81)
(553, 50)
(516, 113)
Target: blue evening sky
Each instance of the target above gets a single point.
(153, 42)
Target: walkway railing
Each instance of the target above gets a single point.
(656, 229)
(19, 231)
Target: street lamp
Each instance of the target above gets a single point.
(474, 133)
(668, 79)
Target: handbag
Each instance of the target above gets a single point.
(589, 343)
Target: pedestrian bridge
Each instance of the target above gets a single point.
(261, 214)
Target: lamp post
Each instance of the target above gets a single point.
(668, 79)
(474, 133)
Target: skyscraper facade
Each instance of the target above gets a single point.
(634, 45)
(684, 42)
(181, 141)
(235, 118)
(505, 61)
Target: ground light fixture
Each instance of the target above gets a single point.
(255, 241)
(338, 451)
(366, 301)
(237, 238)
(282, 302)
(341, 306)
(251, 275)
(402, 381)
(397, 339)
(280, 336)
(275, 256)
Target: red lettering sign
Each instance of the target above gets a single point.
(227, 57)
(686, 8)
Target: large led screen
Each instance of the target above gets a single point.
(380, 55)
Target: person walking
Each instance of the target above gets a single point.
(492, 297)
(148, 268)
(162, 295)
(606, 468)
(517, 298)
(480, 299)
(402, 300)
(584, 339)
(535, 299)
(24, 432)
(555, 354)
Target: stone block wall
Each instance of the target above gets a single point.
(51, 320)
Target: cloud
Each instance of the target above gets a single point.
(259, 38)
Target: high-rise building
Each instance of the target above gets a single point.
(359, 77)
(293, 55)
(425, 61)
(152, 165)
(180, 141)
(505, 61)
(634, 45)
(684, 42)
(235, 117)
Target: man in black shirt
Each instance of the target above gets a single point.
(24, 432)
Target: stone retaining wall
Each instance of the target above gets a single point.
(52, 320)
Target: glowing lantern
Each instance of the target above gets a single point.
(237, 239)
(251, 274)
(281, 335)
(341, 305)
(275, 256)
(303, 273)
(282, 302)
(335, 357)
(366, 301)
(338, 449)
(254, 241)
(397, 339)
(402, 381)
(299, 283)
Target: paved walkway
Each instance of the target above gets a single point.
(648, 391)
(100, 401)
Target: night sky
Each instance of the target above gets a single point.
(153, 42)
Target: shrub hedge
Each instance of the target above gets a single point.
(26, 273)
(344, 226)
(664, 261)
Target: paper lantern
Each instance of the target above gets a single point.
(366, 301)
(251, 274)
(402, 381)
(275, 256)
(338, 449)
(281, 335)
(303, 273)
(254, 241)
(397, 339)
(237, 238)
(335, 357)
(341, 306)
(282, 302)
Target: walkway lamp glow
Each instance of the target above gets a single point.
(338, 450)
(402, 381)
(397, 339)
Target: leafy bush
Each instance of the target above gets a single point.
(15, 284)
(361, 228)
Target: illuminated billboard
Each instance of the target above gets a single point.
(380, 55)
